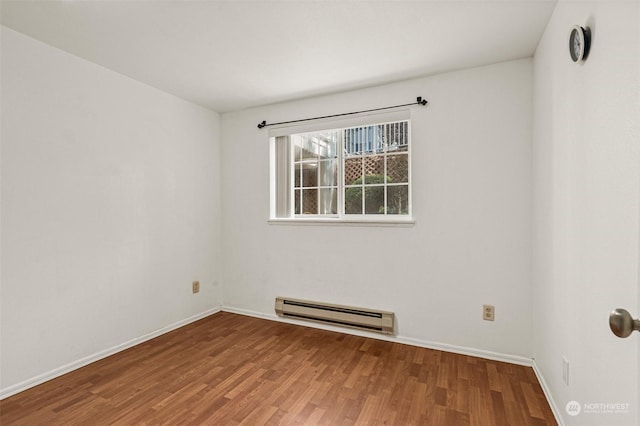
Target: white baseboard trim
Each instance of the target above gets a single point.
(547, 393)
(494, 356)
(29, 383)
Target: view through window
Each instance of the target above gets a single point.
(347, 173)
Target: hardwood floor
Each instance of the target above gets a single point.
(232, 369)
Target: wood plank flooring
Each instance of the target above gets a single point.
(230, 369)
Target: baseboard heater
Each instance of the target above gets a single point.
(345, 316)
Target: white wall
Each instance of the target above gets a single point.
(472, 203)
(586, 175)
(110, 208)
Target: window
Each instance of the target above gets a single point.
(349, 173)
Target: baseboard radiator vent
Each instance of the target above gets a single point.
(345, 316)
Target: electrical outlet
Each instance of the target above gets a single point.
(565, 370)
(195, 286)
(488, 312)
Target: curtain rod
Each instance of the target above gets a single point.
(419, 101)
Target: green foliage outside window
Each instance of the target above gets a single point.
(397, 198)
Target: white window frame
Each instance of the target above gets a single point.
(340, 217)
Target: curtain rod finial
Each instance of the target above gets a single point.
(421, 101)
(262, 124)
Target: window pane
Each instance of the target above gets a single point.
(373, 169)
(309, 174)
(398, 199)
(305, 147)
(328, 173)
(374, 200)
(397, 135)
(398, 168)
(367, 139)
(297, 201)
(308, 155)
(353, 171)
(353, 141)
(328, 201)
(310, 146)
(297, 150)
(353, 200)
(298, 173)
(328, 144)
(309, 201)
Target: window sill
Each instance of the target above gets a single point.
(344, 222)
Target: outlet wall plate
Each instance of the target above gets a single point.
(488, 312)
(195, 286)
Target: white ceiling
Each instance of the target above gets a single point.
(231, 55)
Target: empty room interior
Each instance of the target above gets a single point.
(320, 212)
